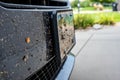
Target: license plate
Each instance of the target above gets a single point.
(66, 31)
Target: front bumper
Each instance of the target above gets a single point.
(67, 68)
(42, 57)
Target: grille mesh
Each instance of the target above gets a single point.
(47, 72)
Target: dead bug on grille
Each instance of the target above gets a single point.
(27, 40)
(25, 58)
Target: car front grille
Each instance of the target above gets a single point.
(47, 72)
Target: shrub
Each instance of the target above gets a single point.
(103, 1)
(98, 6)
(74, 3)
(106, 19)
(83, 21)
(85, 3)
(88, 20)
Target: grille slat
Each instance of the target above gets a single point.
(47, 72)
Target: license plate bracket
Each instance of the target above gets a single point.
(66, 32)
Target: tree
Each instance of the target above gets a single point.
(103, 1)
(85, 3)
(74, 3)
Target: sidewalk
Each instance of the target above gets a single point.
(97, 54)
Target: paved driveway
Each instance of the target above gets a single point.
(97, 54)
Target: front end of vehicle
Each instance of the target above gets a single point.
(35, 39)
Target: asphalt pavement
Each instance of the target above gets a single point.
(97, 54)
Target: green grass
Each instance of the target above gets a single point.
(110, 8)
(88, 8)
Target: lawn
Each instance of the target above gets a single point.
(87, 8)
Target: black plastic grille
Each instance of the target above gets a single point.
(49, 35)
(47, 72)
(21, 58)
(28, 2)
(37, 2)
